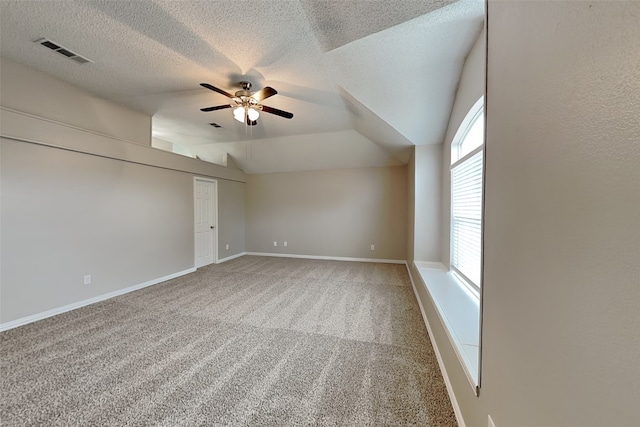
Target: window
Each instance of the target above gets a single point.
(467, 152)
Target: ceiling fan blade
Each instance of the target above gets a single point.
(215, 89)
(264, 93)
(277, 112)
(217, 107)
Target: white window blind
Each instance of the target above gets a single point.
(466, 212)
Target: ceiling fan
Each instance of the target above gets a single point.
(246, 105)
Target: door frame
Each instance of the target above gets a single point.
(214, 220)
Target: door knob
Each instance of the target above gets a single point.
(212, 227)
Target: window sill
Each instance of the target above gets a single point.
(459, 311)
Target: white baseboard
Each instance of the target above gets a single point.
(443, 369)
(55, 311)
(332, 258)
(229, 258)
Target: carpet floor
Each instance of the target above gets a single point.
(255, 341)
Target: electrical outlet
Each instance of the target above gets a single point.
(373, 247)
(285, 243)
(227, 246)
(491, 424)
(87, 279)
(275, 243)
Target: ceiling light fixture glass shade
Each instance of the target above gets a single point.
(253, 114)
(239, 114)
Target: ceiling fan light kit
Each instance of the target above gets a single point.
(242, 114)
(252, 114)
(246, 105)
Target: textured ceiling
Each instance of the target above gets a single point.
(338, 22)
(365, 79)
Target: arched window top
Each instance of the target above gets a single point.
(467, 153)
(470, 134)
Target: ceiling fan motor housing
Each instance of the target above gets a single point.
(245, 92)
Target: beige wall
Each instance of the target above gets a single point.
(562, 229)
(79, 201)
(411, 203)
(336, 213)
(427, 202)
(562, 277)
(231, 218)
(34, 92)
(67, 214)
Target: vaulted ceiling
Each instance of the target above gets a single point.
(365, 79)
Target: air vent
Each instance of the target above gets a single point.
(215, 125)
(50, 45)
(66, 53)
(62, 50)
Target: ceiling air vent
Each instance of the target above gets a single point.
(62, 51)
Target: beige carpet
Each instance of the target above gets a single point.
(256, 341)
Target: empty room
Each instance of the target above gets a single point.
(319, 212)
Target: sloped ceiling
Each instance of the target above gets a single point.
(365, 79)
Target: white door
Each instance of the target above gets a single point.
(205, 199)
